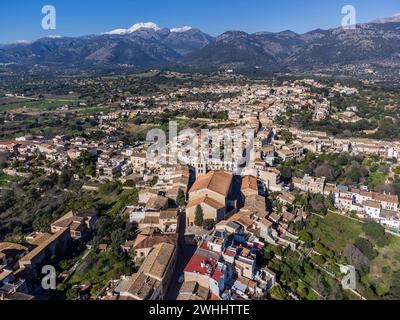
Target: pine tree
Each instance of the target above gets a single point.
(181, 198)
(199, 217)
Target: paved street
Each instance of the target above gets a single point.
(187, 247)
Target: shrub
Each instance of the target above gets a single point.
(208, 224)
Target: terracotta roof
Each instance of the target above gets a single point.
(157, 261)
(8, 143)
(286, 196)
(372, 204)
(207, 200)
(266, 222)
(150, 220)
(297, 180)
(140, 285)
(385, 197)
(169, 214)
(11, 246)
(242, 219)
(157, 202)
(42, 246)
(150, 241)
(217, 181)
(249, 182)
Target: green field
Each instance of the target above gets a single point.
(19, 103)
(383, 266)
(336, 232)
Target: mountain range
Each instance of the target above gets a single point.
(146, 45)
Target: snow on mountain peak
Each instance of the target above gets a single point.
(394, 18)
(19, 42)
(116, 31)
(134, 28)
(183, 29)
(144, 25)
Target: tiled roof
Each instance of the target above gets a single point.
(372, 204)
(157, 261)
(169, 214)
(249, 182)
(207, 200)
(217, 181)
(42, 246)
(150, 241)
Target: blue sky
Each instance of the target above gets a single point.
(21, 19)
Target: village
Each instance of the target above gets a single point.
(203, 225)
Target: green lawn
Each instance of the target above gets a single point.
(335, 231)
(31, 104)
(383, 266)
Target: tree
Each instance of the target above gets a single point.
(199, 216)
(278, 293)
(42, 222)
(181, 198)
(376, 232)
(395, 286)
(366, 248)
(306, 237)
(208, 224)
(72, 294)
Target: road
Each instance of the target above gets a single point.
(187, 247)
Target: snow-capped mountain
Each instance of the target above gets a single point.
(393, 19)
(146, 26)
(134, 28)
(146, 45)
(183, 29)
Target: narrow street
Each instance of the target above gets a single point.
(187, 247)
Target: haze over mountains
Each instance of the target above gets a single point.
(146, 45)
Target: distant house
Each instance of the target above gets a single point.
(154, 277)
(310, 184)
(372, 208)
(145, 195)
(206, 269)
(249, 186)
(193, 291)
(145, 243)
(79, 224)
(286, 198)
(138, 160)
(9, 145)
(390, 219)
(272, 179)
(290, 152)
(165, 220)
